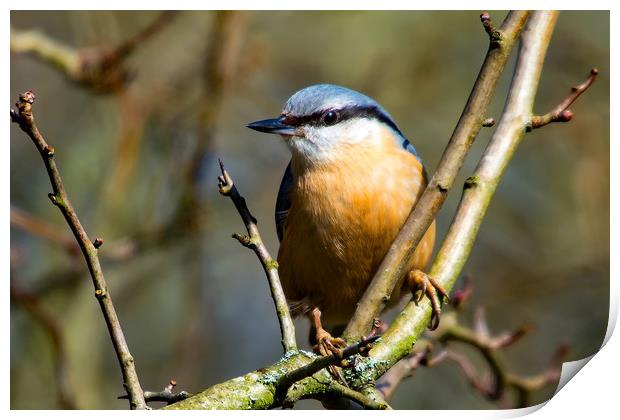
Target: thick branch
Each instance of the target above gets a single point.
(394, 265)
(255, 243)
(479, 188)
(23, 116)
(322, 362)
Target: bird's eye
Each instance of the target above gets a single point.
(331, 117)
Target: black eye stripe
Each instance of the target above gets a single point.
(346, 113)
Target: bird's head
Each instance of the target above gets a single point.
(319, 119)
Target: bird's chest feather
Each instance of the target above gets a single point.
(344, 215)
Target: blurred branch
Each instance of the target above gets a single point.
(561, 113)
(99, 69)
(119, 250)
(221, 68)
(28, 223)
(24, 117)
(478, 190)
(396, 262)
(526, 385)
(255, 243)
(32, 304)
(492, 388)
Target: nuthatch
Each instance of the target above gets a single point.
(351, 183)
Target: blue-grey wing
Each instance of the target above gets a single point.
(406, 144)
(283, 202)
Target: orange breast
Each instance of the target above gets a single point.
(344, 215)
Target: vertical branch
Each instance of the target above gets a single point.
(480, 187)
(394, 265)
(24, 117)
(255, 243)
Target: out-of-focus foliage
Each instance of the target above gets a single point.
(195, 305)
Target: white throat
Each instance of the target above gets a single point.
(319, 144)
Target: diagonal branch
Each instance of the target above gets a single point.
(394, 265)
(255, 243)
(24, 117)
(479, 188)
(561, 113)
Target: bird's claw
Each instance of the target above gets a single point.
(421, 285)
(326, 345)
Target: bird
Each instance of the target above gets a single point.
(352, 180)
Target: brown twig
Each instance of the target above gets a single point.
(402, 370)
(394, 265)
(493, 387)
(253, 241)
(526, 385)
(24, 117)
(166, 395)
(33, 305)
(561, 113)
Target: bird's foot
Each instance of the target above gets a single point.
(326, 344)
(421, 285)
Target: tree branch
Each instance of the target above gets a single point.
(99, 69)
(394, 265)
(561, 113)
(255, 243)
(24, 117)
(165, 395)
(478, 190)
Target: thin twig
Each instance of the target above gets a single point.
(165, 395)
(526, 385)
(255, 243)
(479, 188)
(396, 262)
(24, 117)
(561, 113)
(402, 370)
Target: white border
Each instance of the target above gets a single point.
(594, 391)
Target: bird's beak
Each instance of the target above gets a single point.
(273, 126)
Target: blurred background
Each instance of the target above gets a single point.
(139, 106)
